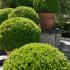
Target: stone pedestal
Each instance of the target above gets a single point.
(51, 38)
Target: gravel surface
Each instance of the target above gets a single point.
(65, 46)
(1, 68)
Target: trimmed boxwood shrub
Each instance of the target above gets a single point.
(26, 12)
(4, 14)
(36, 56)
(15, 3)
(18, 31)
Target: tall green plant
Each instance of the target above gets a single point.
(46, 5)
(64, 6)
(53, 6)
(3, 3)
(64, 9)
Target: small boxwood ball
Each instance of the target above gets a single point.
(4, 14)
(26, 12)
(36, 56)
(18, 31)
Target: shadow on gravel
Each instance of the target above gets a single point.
(65, 49)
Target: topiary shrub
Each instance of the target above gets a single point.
(36, 56)
(15, 3)
(4, 14)
(18, 31)
(26, 12)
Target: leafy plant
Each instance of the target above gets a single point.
(16, 32)
(63, 22)
(46, 6)
(64, 6)
(3, 4)
(36, 56)
(26, 12)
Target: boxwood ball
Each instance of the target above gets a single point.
(18, 31)
(36, 56)
(4, 14)
(26, 12)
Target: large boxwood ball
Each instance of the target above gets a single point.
(4, 14)
(18, 31)
(26, 12)
(36, 56)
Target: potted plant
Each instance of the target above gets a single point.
(46, 10)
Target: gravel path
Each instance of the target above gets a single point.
(65, 47)
(1, 68)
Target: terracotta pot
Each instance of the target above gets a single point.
(47, 20)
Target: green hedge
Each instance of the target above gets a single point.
(4, 14)
(16, 32)
(36, 56)
(26, 12)
(15, 3)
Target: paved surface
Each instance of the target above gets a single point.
(65, 47)
(1, 68)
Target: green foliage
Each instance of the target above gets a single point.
(15, 3)
(63, 22)
(36, 56)
(67, 26)
(4, 14)
(64, 6)
(46, 6)
(16, 32)
(26, 12)
(3, 4)
(63, 26)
